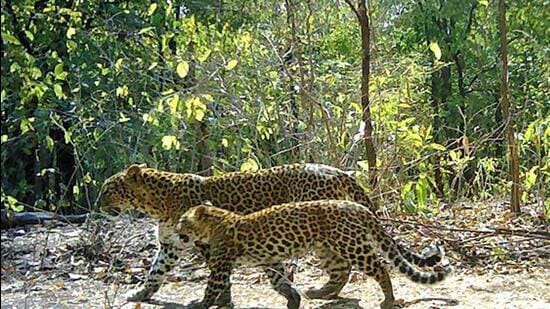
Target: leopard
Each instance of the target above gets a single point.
(165, 196)
(336, 231)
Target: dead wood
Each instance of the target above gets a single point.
(25, 218)
(539, 234)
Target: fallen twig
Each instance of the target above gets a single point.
(25, 218)
(495, 231)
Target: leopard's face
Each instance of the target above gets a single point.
(203, 223)
(121, 191)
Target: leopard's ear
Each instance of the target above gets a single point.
(199, 213)
(133, 173)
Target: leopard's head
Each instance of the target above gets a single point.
(122, 190)
(204, 222)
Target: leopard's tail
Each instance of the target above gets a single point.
(398, 257)
(430, 256)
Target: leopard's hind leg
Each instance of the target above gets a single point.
(380, 273)
(338, 268)
(276, 274)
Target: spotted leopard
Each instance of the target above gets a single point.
(338, 232)
(165, 196)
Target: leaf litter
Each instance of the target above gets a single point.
(59, 265)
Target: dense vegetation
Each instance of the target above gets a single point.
(89, 87)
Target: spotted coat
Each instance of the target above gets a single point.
(165, 196)
(341, 233)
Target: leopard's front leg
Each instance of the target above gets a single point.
(218, 288)
(224, 298)
(166, 258)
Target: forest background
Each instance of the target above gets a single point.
(89, 87)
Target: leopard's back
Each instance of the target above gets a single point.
(248, 192)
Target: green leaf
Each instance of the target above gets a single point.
(146, 117)
(49, 143)
(225, 143)
(146, 29)
(122, 118)
(498, 252)
(249, 165)
(273, 74)
(4, 138)
(10, 38)
(71, 32)
(182, 69)
(26, 125)
(29, 35)
(122, 91)
(531, 177)
(204, 55)
(436, 146)
(13, 204)
(68, 135)
(71, 45)
(231, 64)
(59, 72)
(364, 165)
(173, 104)
(195, 108)
(58, 69)
(455, 155)
(421, 189)
(152, 9)
(152, 66)
(87, 178)
(169, 141)
(208, 97)
(59, 91)
(118, 64)
(434, 47)
(484, 2)
(36, 73)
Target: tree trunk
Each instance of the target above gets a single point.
(509, 124)
(364, 26)
(365, 102)
(289, 58)
(440, 93)
(202, 131)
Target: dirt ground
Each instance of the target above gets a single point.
(524, 290)
(96, 264)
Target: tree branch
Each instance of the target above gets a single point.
(353, 8)
(495, 231)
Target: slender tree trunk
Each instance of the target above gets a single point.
(202, 131)
(289, 59)
(509, 124)
(364, 26)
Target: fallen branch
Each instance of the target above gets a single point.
(24, 218)
(494, 231)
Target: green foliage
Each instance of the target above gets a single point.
(90, 87)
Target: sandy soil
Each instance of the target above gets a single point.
(251, 290)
